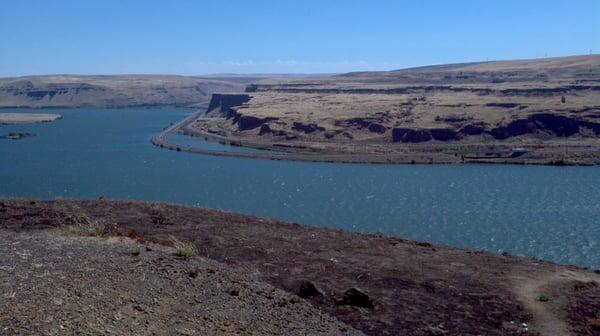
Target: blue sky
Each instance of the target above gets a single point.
(200, 37)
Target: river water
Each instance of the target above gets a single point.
(547, 212)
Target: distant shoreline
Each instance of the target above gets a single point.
(117, 107)
(27, 118)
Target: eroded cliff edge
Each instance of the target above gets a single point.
(538, 111)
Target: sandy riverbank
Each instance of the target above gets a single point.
(27, 118)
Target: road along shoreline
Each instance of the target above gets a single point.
(555, 154)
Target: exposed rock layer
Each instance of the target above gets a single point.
(110, 91)
(483, 102)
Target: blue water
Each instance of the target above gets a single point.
(547, 212)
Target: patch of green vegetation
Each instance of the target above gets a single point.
(83, 226)
(135, 250)
(183, 250)
(544, 298)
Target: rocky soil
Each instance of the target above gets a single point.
(59, 283)
(377, 285)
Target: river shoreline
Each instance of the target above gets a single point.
(27, 118)
(553, 154)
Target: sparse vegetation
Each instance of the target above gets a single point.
(135, 250)
(594, 323)
(183, 250)
(84, 226)
(544, 298)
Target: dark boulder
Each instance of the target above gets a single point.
(357, 298)
(306, 289)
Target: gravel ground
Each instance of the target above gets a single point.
(55, 283)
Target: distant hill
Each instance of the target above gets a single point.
(112, 91)
(555, 68)
(127, 90)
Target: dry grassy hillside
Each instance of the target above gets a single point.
(517, 103)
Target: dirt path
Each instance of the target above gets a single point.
(549, 318)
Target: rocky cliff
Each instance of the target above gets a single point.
(221, 105)
(109, 91)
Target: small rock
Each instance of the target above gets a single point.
(307, 289)
(357, 298)
(139, 307)
(435, 331)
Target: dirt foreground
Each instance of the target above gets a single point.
(257, 276)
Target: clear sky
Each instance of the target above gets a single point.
(235, 36)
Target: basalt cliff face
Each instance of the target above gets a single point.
(471, 108)
(110, 91)
(492, 101)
